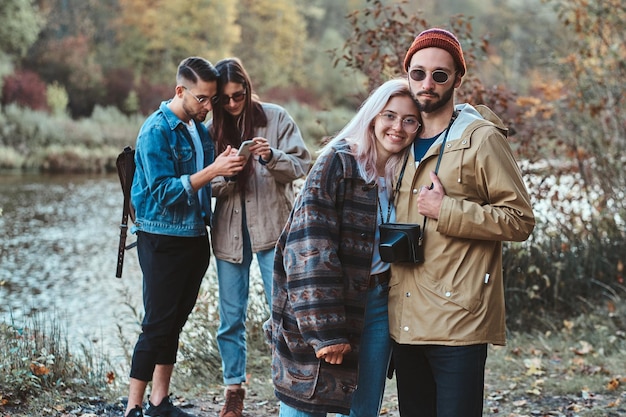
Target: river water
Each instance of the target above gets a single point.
(58, 253)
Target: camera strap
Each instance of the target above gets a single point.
(443, 143)
(394, 192)
(455, 113)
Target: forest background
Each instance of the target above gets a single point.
(78, 78)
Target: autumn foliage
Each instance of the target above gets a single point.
(25, 88)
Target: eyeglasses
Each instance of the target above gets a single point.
(201, 100)
(439, 76)
(409, 124)
(238, 97)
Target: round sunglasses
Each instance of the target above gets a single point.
(438, 76)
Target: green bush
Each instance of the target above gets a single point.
(573, 262)
(57, 98)
(10, 158)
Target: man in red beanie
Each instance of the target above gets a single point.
(463, 186)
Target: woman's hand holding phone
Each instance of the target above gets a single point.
(244, 149)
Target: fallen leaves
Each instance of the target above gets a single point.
(615, 383)
(110, 377)
(39, 369)
(584, 348)
(533, 366)
(556, 374)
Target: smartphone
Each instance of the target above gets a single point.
(244, 149)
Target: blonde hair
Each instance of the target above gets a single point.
(359, 132)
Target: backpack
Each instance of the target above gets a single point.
(125, 164)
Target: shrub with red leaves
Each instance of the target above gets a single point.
(25, 88)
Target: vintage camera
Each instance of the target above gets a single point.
(401, 242)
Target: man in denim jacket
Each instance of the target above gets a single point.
(171, 195)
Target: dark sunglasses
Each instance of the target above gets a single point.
(238, 97)
(439, 76)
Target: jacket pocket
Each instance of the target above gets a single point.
(295, 369)
(184, 160)
(462, 287)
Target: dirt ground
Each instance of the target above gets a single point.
(258, 403)
(496, 404)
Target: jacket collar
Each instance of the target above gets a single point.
(172, 120)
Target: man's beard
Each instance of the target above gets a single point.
(430, 105)
(197, 116)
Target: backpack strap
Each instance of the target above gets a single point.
(126, 171)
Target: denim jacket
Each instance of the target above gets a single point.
(162, 196)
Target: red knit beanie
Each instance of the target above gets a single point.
(437, 38)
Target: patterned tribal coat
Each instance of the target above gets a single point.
(321, 270)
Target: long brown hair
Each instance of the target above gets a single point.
(232, 130)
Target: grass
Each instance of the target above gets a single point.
(36, 365)
(578, 371)
(36, 140)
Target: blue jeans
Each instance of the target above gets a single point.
(234, 288)
(440, 381)
(288, 411)
(374, 355)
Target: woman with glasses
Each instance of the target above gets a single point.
(329, 327)
(251, 208)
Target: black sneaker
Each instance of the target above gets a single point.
(135, 412)
(165, 409)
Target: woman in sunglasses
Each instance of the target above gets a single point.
(251, 208)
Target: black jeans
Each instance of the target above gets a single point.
(440, 381)
(173, 268)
